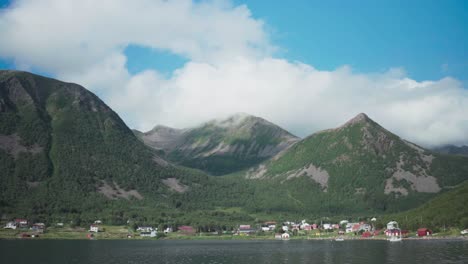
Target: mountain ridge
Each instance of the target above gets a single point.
(221, 146)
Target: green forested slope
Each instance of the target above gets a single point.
(60, 144)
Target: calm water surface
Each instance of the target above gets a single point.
(258, 252)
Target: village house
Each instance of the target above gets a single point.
(392, 225)
(97, 222)
(168, 230)
(21, 223)
(424, 232)
(94, 228)
(145, 228)
(148, 234)
(246, 229)
(186, 230)
(38, 227)
(271, 225)
(10, 225)
(304, 225)
(365, 227)
(352, 227)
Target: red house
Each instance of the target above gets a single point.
(424, 232)
(188, 230)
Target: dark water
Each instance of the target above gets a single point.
(257, 252)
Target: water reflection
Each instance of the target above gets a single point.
(229, 252)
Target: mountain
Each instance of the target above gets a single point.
(453, 150)
(65, 152)
(66, 156)
(221, 146)
(447, 209)
(361, 166)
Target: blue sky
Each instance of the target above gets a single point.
(429, 39)
(305, 65)
(370, 35)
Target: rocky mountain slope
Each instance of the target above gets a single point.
(221, 146)
(365, 164)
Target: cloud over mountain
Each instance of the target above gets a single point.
(232, 68)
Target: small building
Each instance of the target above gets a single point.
(21, 223)
(366, 234)
(246, 230)
(271, 225)
(168, 230)
(94, 228)
(187, 230)
(285, 236)
(148, 234)
(10, 225)
(98, 222)
(278, 236)
(59, 224)
(365, 227)
(424, 232)
(145, 228)
(352, 227)
(38, 227)
(392, 225)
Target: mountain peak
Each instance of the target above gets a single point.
(359, 119)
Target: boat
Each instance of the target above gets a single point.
(340, 238)
(395, 239)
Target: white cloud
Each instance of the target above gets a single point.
(230, 70)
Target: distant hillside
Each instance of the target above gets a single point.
(453, 150)
(221, 146)
(362, 166)
(63, 151)
(448, 209)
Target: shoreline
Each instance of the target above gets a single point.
(235, 238)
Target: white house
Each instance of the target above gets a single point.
(98, 222)
(11, 225)
(285, 228)
(327, 226)
(94, 228)
(145, 228)
(148, 234)
(392, 225)
(168, 230)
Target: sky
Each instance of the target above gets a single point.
(304, 65)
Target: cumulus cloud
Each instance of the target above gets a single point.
(231, 69)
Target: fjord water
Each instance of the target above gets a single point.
(232, 252)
